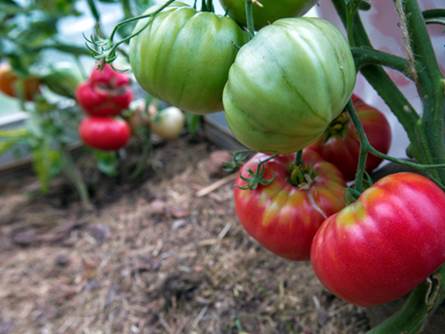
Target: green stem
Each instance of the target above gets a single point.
(413, 315)
(73, 174)
(434, 16)
(248, 7)
(364, 147)
(299, 158)
(126, 8)
(365, 56)
(96, 15)
(429, 81)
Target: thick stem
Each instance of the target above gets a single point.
(429, 81)
(73, 174)
(365, 56)
(248, 6)
(364, 147)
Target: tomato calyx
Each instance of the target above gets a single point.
(256, 178)
(338, 127)
(301, 176)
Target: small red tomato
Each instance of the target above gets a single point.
(386, 243)
(284, 215)
(104, 133)
(105, 93)
(340, 143)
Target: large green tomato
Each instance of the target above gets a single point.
(271, 11)
(287, 84)
(184, 56)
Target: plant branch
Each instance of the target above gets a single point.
(434, 16)
(248, 7)
(365, 56)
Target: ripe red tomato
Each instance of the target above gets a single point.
(104, 133)
(340, 143)
(283, 216)
(105, 93)
(386, 243)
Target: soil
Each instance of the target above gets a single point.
(152, 257)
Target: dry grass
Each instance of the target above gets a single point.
(156, 259)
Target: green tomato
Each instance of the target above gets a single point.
(184, 56)
(287, 84)
(271, 10)
(63, 78)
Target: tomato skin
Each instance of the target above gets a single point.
(105, 93)
(8, 81)
(184, 56)
(342, 149)
(104, 133)
(282, 217)
(386, 243)
(167, 123)
(287, 84)
(271, 11)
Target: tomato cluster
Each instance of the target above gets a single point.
(103, 96)
(284, 89)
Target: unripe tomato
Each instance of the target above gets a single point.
(271, 10)
(287, 84)
(105, 93)
(63, 78)
(284, 215)
(386, 243)
(8, 81)
(104, 133)
(340, 143)
(183, 56)
(167, 123)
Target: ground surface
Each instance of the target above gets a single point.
(152, 258)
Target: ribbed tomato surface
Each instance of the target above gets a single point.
(340, 143)
(283, 217)
(386, 243)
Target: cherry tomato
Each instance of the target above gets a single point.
(283, 216)
(386, 243)
(105, 93)
(340, 143)
(104, 133)
(167, 123)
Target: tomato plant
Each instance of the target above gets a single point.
(385, 244)
(340, 143)
(270, 11)
(184, 56)
(284, 211)
(104, 133)
(63, 78)
(302, 70)
(105, 93)
(167, 123)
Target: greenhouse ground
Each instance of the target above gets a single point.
(151, 258)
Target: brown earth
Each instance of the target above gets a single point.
(152, 258)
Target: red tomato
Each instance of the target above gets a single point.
(386, 243)
(340, 143)
(283, 216)
(104, 133)
(105, 93)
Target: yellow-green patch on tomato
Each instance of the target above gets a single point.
(167, 123)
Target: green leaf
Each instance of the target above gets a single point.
(47, 163)
(107, 162)
(14, 133)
